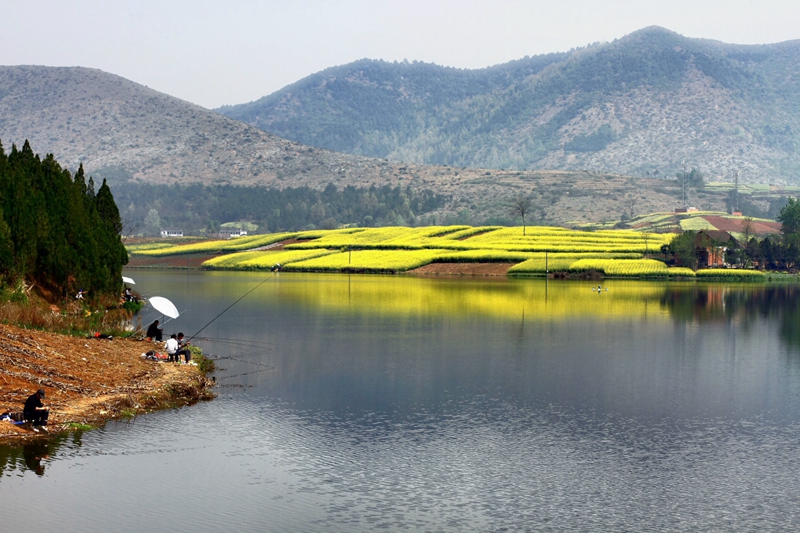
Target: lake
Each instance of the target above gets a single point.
(393, 403)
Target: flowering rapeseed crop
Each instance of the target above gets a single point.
(232, 245)
(731, 274)
(622, 267)
(366, 261)
(555, 262)
(260, 260)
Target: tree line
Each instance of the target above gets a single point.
(55, 230)
(146, 208)
(774, 252)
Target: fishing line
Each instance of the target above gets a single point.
(244, 361)
(229, 341)
(226, 309)
(244, 373)
(237, 342)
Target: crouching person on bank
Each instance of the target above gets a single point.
(171, 347)
(34, 410)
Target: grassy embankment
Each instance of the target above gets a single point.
(536, 252)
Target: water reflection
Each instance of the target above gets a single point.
(741, 304)
(356, 404)
(34, 456)
(34, 453)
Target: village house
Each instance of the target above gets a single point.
(710, 246)
(232, 233)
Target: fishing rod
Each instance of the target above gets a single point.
(226, 309)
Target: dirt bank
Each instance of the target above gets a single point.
(87, 381)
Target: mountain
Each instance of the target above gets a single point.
(136, 137)
(642, 105)
(122, 130)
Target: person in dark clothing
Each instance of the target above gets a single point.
(183, 349)
(155, 332)
(34, 410)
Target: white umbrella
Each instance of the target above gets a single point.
(128, 280)
(164, 306)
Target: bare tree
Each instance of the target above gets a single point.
(630, 203)
(747, 229)
(519, 207)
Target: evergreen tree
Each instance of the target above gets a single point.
(54, 230)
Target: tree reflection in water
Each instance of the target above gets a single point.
(742, 304)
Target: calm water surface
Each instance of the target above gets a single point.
(397, 404)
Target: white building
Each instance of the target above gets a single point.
(232, 233)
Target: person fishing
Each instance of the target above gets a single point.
(183, 349)
(34, 411)
(155, 332)
(171, 347)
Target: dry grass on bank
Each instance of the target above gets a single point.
(88, 381)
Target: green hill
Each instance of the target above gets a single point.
(639, 105)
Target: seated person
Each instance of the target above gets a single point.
(171, 347)
(128, 294)
(155, 332)
(34, 410)
(183, 349)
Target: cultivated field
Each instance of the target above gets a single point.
(534, 251)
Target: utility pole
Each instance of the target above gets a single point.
(683, 164)
(736, 193)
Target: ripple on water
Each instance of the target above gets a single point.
(478, 465)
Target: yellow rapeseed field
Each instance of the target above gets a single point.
(555, 262)
(260, 260)
(366, 261)
(398, 249)
(622, 267)
(731, 274)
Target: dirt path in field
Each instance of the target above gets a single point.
(88, 381)
(463, 269)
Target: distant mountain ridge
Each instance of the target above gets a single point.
(640, 105)
(128, 133)
(124, 130)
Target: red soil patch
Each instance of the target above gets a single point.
(87, 380)
(463, 269)
(735, 224)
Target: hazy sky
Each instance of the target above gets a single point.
(233, 51)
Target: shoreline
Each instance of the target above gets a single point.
(88, 381)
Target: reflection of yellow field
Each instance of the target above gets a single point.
(538, 300)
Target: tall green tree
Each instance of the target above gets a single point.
(790, 217)
(54, 229)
